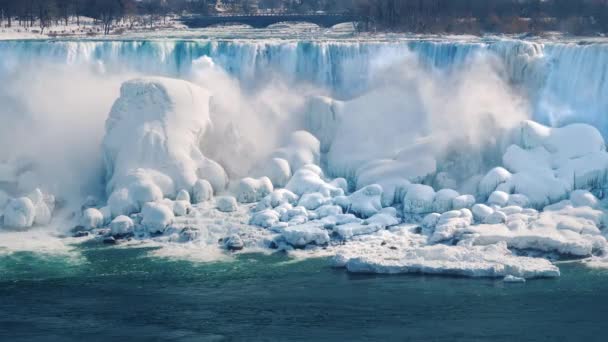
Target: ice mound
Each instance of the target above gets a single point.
(152, 143)
(495, 261)
(302, 149)
(251, 190)
(548, 163)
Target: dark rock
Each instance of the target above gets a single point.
(109, 240)
(234, 243)
(80, 233)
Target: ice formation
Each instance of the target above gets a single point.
(469, 188)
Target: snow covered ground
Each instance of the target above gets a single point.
(413, 176)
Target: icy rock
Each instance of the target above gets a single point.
(202, 191)
(251, 190)
(226, 204)
(383, 219)
(518, 200)
(463, 201)
(282, 196)
(419, 199)
(313, 201)
(266, 218)
(183, 195)
(583, 198)
(121, 225)
(214, 173)
(120, 203)
(444, 200)
(430, 220)
(495, 261)
(481, 212)
(234, 243)
(449, 224)
(307, 181)
(302, 148)
(498, 198)
(366, 202)
(276, 169)
(156, 217)
(328, 210)
(492, 180)
(91, 218)
(307, 234)
(19, 213)
(495, 218)
(350, 230)
(294, 212)
(181, 208)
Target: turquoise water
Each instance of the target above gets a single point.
(124, 294)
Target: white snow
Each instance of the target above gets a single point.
(419, 199)
(122, 225)
(156, 217)
(202, 191)
(226, 203)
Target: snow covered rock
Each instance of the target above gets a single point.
(181, 208)
(156, 217)
(492, 180)
(265, 218)
(305, 181)
(367, 201)
(463, 201)
(91, 218)
(481, 212)
(202, 191)
(301, 149)
(306, 234)
(419, 199)
(282, 196)
(121, 225)
(251, 190)
(498, 198)
(444, 200)
(313, 201)
(234, 243)
(449, 224)
(183, 195)
(19, 213)
(276, 169)
(495, 218)
(583, 198)
(518, 200)
(226, 204)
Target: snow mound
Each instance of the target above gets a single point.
(251, 190)
(152, 142)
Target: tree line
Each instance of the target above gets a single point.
(424, 16)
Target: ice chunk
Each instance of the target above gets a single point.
(265, 218)
(419, 199)
(495, 261)
(328, 210)
(19, 213)
(463, 201)
(492, 180)
(495, 218)
(366, 202)
(156, 217)
(313, 200)
(302, 148)
(431, 220)
(444, 200)
(582, 198)
(183, 195)
(306, 234)
(498, 198)
(282, 196)
(226, 204)
(481, 212)
(276, 169)
(181, 208)
(513, 279)
(202, 191)
(449, 224)
(121, 225)
(251, 190)
(306, 181)
(91, 218)
(518, 200)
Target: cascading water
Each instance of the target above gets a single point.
(565, 81)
